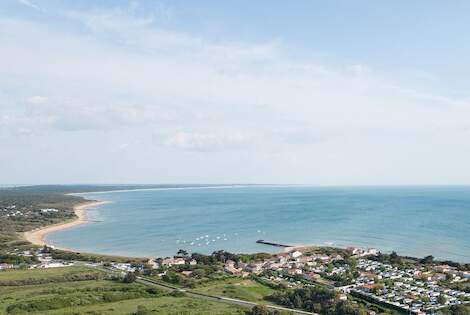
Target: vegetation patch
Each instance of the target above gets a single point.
(53, 275)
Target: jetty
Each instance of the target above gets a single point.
(272, 243)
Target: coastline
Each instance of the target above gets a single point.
(168, 188)
(38, 236)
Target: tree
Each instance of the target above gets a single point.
(345, 308)
(199, 273)
(460, 310)
(130, 277)
(172, 277)
(261, 310)
(394, 258)
(142, 310)
(182, 252)
(441, 299)
(427, 260)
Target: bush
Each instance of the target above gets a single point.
(130, 277)
(261, 310)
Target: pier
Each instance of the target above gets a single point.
(272, 243)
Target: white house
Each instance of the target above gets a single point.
(295, 254)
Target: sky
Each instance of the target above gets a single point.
(280, 92)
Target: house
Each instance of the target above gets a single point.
(338, 258)
(254, 267)
(6, 266)
(294, 271)
(44, 258)
(229, 267)
(230, 263)
(438, 277)
(153, 264)
(173, 261)
(124, 267)
(283, 257)
(52, 265)
(355, 250)
(193, 262)
(323, 258)
(186, 273)
(444, 268)
(179, 261)
(273, 266)
(311, 276)
(305, 259)
(295, 254)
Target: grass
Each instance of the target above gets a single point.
(93, 296)
(52, 275)
(244, 289)
(43, 274)
(166, 305)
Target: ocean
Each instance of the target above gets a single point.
(415, 221)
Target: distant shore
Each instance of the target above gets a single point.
(38, 236)
(169, 188)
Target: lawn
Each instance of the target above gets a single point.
(93, 296)
(245, 289)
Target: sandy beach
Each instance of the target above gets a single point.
(37, 236)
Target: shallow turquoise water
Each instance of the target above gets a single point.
(411, 220)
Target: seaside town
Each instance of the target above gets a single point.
(12, 211)
(421, 288)
(299, 280)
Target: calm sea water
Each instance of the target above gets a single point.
(414, 221)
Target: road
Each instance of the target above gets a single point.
(215, 298)
(207, 297)
(198, 295)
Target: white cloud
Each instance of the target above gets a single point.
(30, 5)
(37, 99)
(206, 141)
(127, 78)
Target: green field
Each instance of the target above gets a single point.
(38, 276)
(244, 289)
(72, 295)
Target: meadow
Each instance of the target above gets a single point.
(81, 290)
(243, 289)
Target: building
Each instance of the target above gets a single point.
(173, 261)
(6, 266)
(295, 254)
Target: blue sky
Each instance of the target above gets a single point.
(311, 92)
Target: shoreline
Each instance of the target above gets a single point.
(170, 188)
(38, 236)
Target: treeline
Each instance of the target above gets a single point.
(17, 260)
(394, 259)
(222, 256)
(316, 299)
